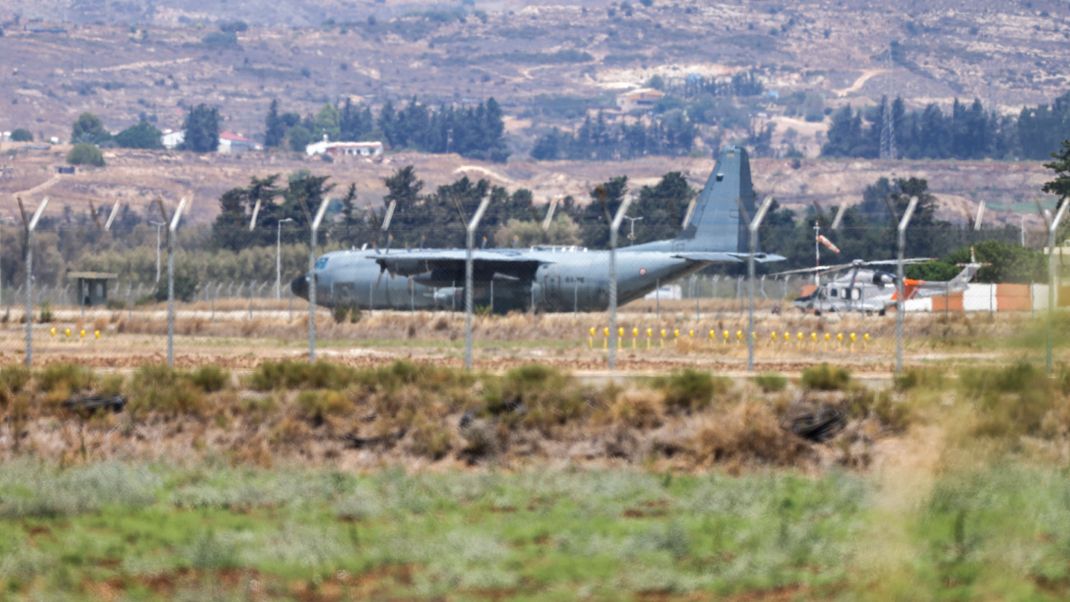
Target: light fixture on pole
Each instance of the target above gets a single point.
(900, 302)
(172, 222)
(752, 238)
(631, 227)
(614, 227)
(313, 232)
(29, 225)
(469, 242)
(278, 255)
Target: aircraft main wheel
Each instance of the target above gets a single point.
(881, 312)
(817, 312)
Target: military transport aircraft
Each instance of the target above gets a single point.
(555, 279)
(861, 288)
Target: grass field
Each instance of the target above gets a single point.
(114, 530)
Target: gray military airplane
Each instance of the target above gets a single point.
(553, 279)
(863, 287)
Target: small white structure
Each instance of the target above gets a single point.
(643, 99)
(172, 139)
(344, 149)
(229, 142)
(667, 291)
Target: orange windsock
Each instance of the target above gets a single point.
(827, 243)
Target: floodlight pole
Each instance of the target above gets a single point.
(278, 256)
(900, 303)
(1053, 227)
(614, 227)
(752, 239)
(172, 226)
(313, 232)
(469, 242)
(29, 226)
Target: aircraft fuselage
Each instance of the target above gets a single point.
(570, 280)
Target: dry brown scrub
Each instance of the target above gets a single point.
(412, 414)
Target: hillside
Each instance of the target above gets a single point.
(124, 59)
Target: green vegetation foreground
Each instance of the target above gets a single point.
(938, 488)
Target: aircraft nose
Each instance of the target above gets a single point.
(299, 286)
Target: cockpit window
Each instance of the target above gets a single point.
(321, 263)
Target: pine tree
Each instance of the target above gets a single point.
(276, 128)
(202, 129)
(1060, 185)
(350, 221)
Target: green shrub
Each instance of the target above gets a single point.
(65, 378)
(157, 388)
(536, 396)
(316, 405)
(85, 154)
(46, 314)
(771, 382)
(431, 439)
(824, 377)
(690, 390)
(893, 415)
(14, 378)
(294, 374)
(21, 135)
(911, 378)
(1011, 401)
(210, 378)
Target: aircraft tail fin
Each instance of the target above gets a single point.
(723, 209)
(964, 277)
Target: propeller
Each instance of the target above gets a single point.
(858, 263)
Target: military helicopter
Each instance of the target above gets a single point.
(863, 286)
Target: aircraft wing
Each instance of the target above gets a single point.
(448, 264)
(726, 257)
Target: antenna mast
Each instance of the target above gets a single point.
(887, 149)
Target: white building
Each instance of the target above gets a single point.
(643, 99)
(229, 142)
(345, 149)
(172, 139)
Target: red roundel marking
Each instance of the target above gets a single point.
(642, 271)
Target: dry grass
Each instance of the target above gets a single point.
(403, 412)
(749, 432)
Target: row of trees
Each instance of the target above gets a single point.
(740, 84)
(472, 131)
(201, 126)
(967, 132)
(599, 139)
